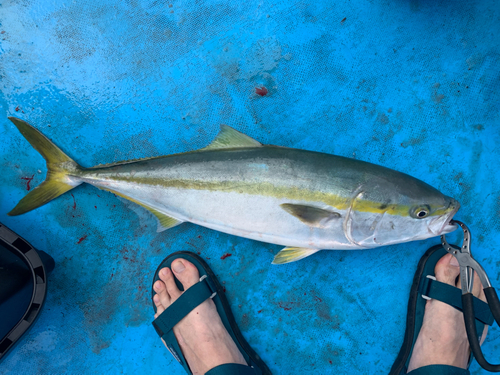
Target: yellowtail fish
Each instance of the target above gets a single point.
(306, 201)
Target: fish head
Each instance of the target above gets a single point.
(401, 213)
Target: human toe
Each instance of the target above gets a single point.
(159, 306)
(168, 279)
(447, 270)
(162, 295)
(186, 272)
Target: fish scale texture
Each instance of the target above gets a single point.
(410, 85)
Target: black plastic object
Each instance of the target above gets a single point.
(23, 287)
(470, 327)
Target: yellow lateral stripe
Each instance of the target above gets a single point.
(280, 192)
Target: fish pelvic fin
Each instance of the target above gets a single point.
(61, 170)
(164, 221)
(292, 254)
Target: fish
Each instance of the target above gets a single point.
(306, 201)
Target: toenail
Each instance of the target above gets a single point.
(454, 262)
(157, 285)
(178, 266)
(156, 298)
(164, 271)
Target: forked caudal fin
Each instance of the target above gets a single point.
(59, 168)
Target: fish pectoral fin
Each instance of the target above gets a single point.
(313, 216)
(164, 221)
(292, 254)
(230, 138)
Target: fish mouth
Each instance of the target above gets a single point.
(443, 224)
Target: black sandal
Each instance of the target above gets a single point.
(207, 287)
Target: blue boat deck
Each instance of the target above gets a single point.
(411, 85)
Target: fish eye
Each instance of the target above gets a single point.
(421, 212)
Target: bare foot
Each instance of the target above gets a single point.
(442, 339)
(203, 339)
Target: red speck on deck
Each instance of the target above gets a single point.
(261, 91)
(18, 109)
(95, 207)
(81, 239)
(343, 20)
(330, 362)
(28, 180)
(283, 307)
(224, 289)
(74, 201)
(226, 255)
(318, 299)
(259, 311)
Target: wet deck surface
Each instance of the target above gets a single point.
(411, 85)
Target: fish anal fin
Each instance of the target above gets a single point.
(312, 216)
(230, 138)
(164, 221)
(292, 254)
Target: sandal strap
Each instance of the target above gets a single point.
(234, 369)
(173, 347)
(439, 370)
(430, 288)
(183, 305)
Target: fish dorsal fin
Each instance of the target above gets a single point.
(312, 216)
(164, 221)
(292, 254)
(123, 162)
(230, 138)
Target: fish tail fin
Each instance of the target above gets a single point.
(60, 170)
